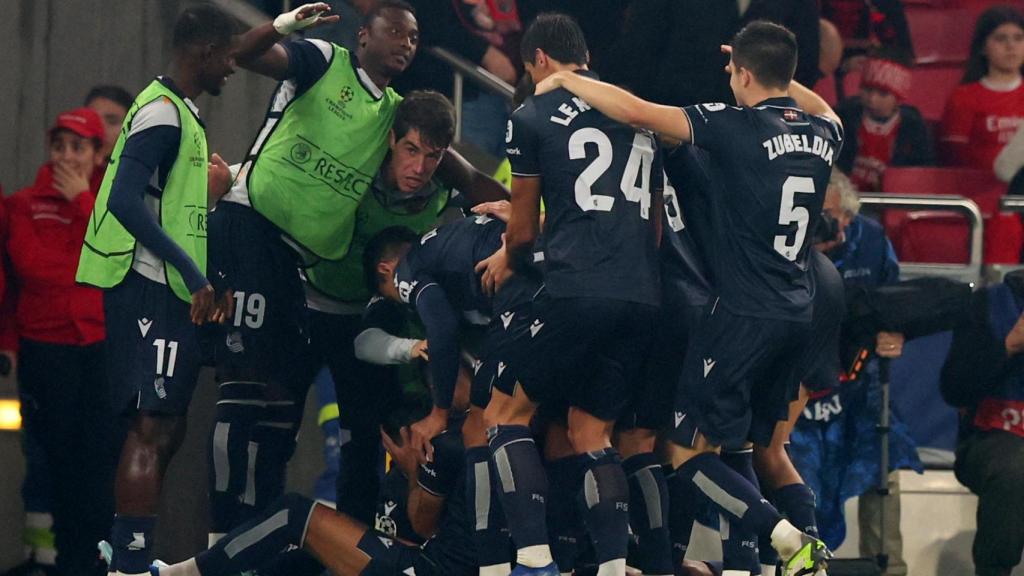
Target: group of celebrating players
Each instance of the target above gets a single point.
(630, 367)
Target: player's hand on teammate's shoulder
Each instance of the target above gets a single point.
(419, 351)
(494, 270)
(403, 454)
(305, 16)
(500, 209)
(552, 82)
(889, 344)
(203, 301)
(218, 178)
(425, 430)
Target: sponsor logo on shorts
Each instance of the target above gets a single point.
(161, 391)
(506, 319)
(679, 418)
(708, 365)
(535, 327)
(144, 324)
(410, 571)
(234, 342)
(501, 368)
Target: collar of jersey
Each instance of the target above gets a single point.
(778, 102)
(168, 83)
(364, 78)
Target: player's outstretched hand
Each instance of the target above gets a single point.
(425, 430)
(202, 304)
(218, 178)
(304, 16)
(420, 351)
(726, 49)
(223, 307)
(494, 270)
(500, 209)
(403, 455)
(889, 344)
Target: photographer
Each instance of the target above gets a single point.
(984, 378)
(835, 445)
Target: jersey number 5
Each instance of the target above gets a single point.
(789, 214)
(636, 178)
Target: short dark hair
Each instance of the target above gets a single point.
(383, 5)
(115, 94)
(388, 244)
(428, 112)
(558, 35)
(768, 50)
(203, 24)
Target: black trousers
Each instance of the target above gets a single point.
(366, 393)
(66, 406)
(991, 464)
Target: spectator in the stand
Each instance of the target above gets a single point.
(111, 103)
(834, 445)
(984, 111)
(984, 378)
(868, 24)
(881, 130)
(59, 323)
(983, 114)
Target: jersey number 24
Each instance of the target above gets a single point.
(636, 178)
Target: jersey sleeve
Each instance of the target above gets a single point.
(442, 325)
(308, 60)
(440, 476)
(714, 126)
(522, 144)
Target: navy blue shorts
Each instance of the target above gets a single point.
(738, 377)
(390, 557)
(586, 352)
(662, 367)
(153, 354)
(267, 332)
(822, 358)
(492, 369)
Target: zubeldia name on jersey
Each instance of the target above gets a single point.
(786, 143)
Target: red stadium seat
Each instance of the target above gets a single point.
(940, 35)
(941, 237)
(931, 88)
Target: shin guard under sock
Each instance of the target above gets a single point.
(565, 523)
(490, 533)
(648, 513)
(796, 501)
(739, 546)
(523, 492)
(605, 497)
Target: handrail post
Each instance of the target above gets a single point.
(457, 101)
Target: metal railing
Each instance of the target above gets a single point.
(970, 272)
(462, 69)
(995, 272)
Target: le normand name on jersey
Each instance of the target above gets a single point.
(786, 143)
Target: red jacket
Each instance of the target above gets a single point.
(45, 232)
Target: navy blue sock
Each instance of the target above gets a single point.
(739, 546)
(732, 494)
(796, 501)
(132, 538)
(260, 539)
(648, 513)
(238, 408)
(490, 532)
(684, 505)
(565, 524)
(523, 484)
(605, 497)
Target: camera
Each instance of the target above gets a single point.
(827, 229)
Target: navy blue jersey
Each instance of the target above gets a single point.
(773, 161)
(597, 179)
(684, 277)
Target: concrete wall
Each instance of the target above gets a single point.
(53, 51)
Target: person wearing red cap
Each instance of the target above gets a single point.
(883, 130)
(59, 325)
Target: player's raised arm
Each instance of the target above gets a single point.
(258, 49)
(811, 102)
(621, 106)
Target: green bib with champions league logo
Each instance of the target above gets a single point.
(320, 158)
(109, 248)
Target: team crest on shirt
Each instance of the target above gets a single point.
(790, 115)
(158, 386)
(346, 94)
